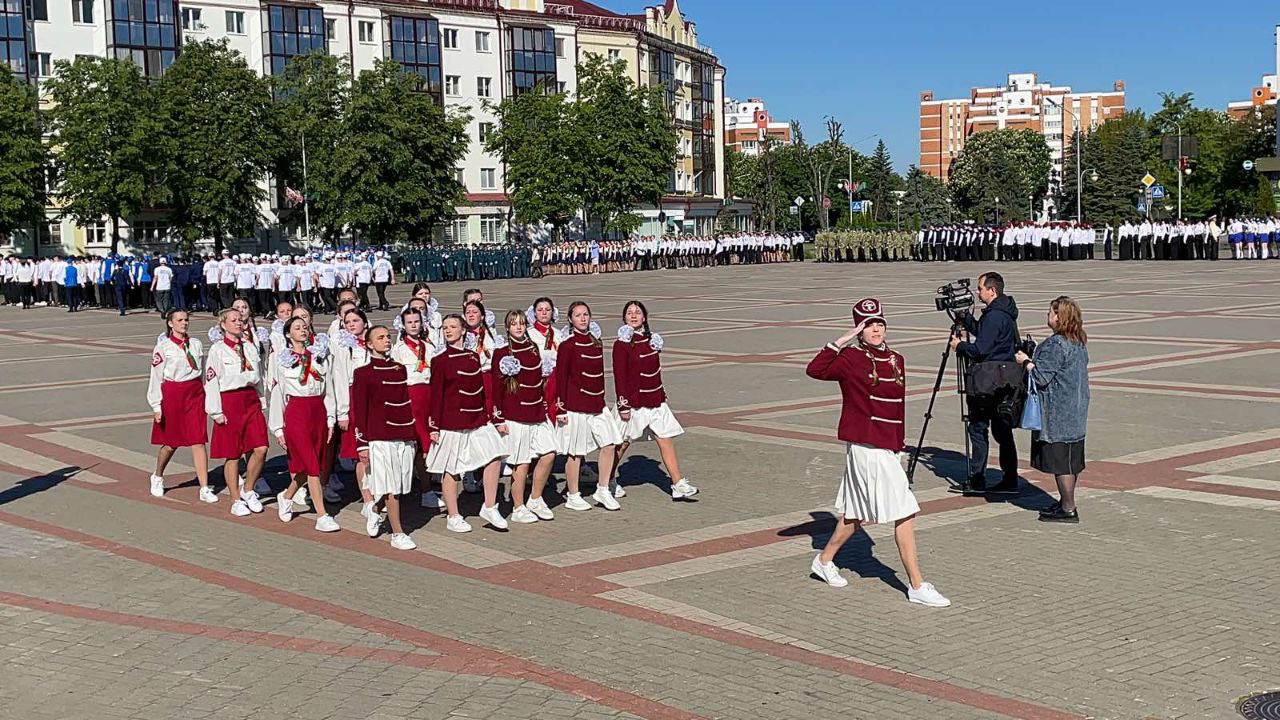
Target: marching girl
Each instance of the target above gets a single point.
(414, 351)
(874, 489)
(431, 316)
(585, 423)
(233, 378)
(259, 336)
(480, 328)
(175, 394)
(302, 412)
(284, 311)
(642, 401)
(339, 322)
(541, 316)
(352, 354)
(462, 440)
(383, 424)
(520, 414)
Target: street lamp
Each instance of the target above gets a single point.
(897, 208)
(1031, 208)
(948, 211)
(997, 211)
(1079, 171)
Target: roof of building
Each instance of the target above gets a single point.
(582, 7)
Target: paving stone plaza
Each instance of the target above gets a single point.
(1159, 604)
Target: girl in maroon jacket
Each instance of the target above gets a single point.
(584, 422)
(520, 414)
(383, 427)
(462, 439)
(874, 488)
(642, 401)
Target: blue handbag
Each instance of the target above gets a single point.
(1031, 417)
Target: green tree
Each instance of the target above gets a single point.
(881, 181)
(22, 156)
(820, 163)
(927, 199)
(626, 138)
(311, 101)
(103, 118)
(397, 157)
(1247, 192)
(1113, 160)
(218, 140)
(998, 171)
(536, 137)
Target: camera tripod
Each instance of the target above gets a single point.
(957, 330)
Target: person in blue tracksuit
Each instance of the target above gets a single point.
(72, 285)
(121, 279)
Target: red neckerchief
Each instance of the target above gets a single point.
(479, 332)
(185, 344)
(308, 370)
(239, 346)
(419, 351)
(548, 332)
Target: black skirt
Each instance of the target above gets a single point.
(1058, 458)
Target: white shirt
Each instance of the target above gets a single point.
(382, 270)
(406, 356)
(224, 371)
(287, 277)
(284, 383)
(328, 275)
(246, 275)
(170, 363)
(346, 360)
(364, 272)
(163, 277)
(266, 275)
(306, 275)
(211, 272)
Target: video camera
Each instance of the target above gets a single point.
(955, 298)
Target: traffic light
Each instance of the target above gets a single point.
(1184, 165)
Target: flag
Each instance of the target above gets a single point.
(293, 197)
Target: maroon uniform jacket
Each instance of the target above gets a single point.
(457, 391)
(580, 375)
(637, 374)
(873, 387)
(526, 404)
(380, 407)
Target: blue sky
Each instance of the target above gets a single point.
(866, 62)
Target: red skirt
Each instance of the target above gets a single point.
(306, 429)
(246, 428)
(420, 399)
(182, 419)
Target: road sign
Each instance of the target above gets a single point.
(795, 210)
(855, 206)
(1157, 192)
(1148, 180)
(1142, 206)
(798, 201)
(1248, 165)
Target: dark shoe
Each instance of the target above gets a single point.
(1056, 507)
(1057, 514)
(970, 486)
(1004, 487)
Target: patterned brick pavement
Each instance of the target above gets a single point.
(119, 605)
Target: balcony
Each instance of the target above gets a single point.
(467, 4)
(599, 22)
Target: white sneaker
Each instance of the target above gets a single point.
(208, 495)
(458, 524)
(493, 516)
(682, 490)
(618, 492)
(326, 523)
(523, 515)
(372, 519)
(574, 501)
(300, 499)
(253, 501)
(828, 572)
(538, 507)
(927, 594)
(331, 494)
(432, 501)
(239, 508)
(400, 541)
(262, 487)
(284, 507)
(157, 486)
(605, 499)
(335, 482)
(469, 483)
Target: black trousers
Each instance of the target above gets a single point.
(28, 292)
(980, 446)
(362, 291)
(226, 294)
(382, 295)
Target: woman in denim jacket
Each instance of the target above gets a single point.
(1060, 371)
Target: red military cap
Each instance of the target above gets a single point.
(867, 310)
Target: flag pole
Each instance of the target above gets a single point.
(306, 210)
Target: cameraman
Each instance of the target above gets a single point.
(995, 340)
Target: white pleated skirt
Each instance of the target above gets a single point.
(649, 423)
(583, 434)
(526, 442)
(460, 452)
(390, 467)
(874, 488)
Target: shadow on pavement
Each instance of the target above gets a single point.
(856, 554)
(32, 485)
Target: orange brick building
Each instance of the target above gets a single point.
(747, 123)
(1264, 94)
(1022, 102)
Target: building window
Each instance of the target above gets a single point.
(559, 47)
(486, 129)
(330, 29)
(491, 229)
(96, 235)
(42, 64)
(458, 175)
(488, 179)
(484, 87)
(365, 28)
(456, 231)
(145, 32)
(36, 10)
(453, 85)
(450, 39)
(292, 31)
(50, 234)
(191, 19)
(82, 11)
(615, 55)
(482, 42)
(562, 87)
(148, 232)
(414, 42)
(662, 73)
(703, 180)
(531, 59)
(235, 22)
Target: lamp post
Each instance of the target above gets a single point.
(897, 209)
(948, 211)
(997, 211)
(1031, 208)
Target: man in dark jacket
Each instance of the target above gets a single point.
(995, 339)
